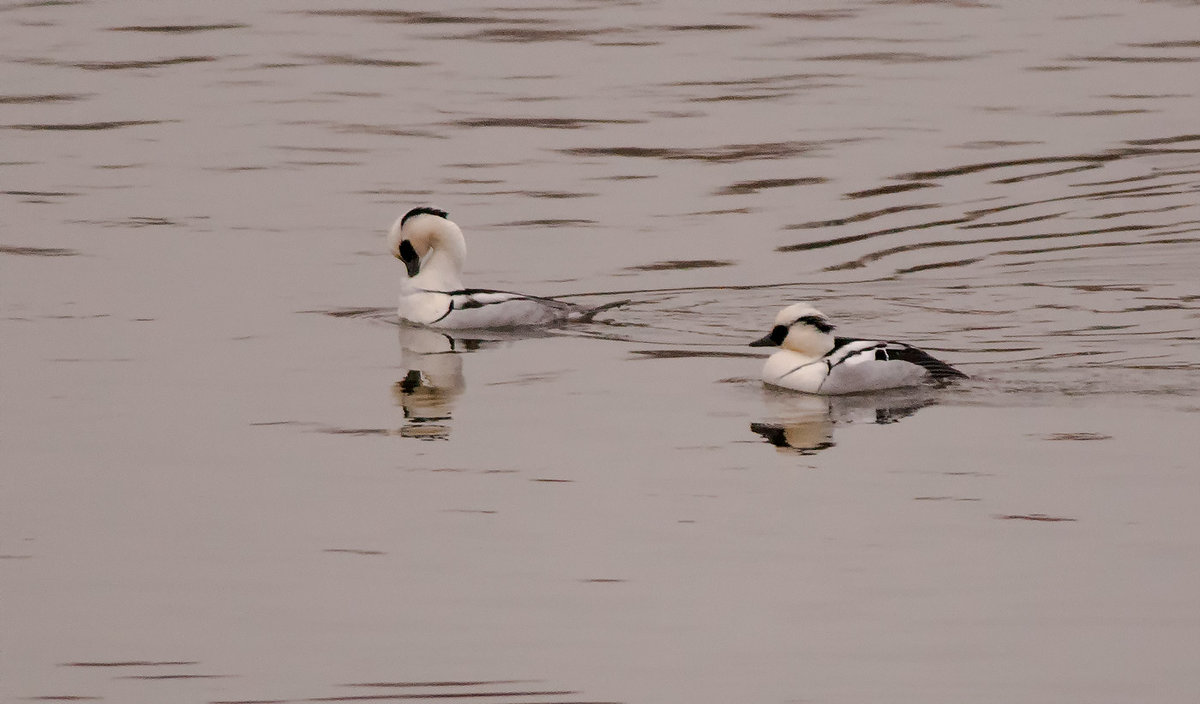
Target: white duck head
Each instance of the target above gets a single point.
(800, 328)
(430, 245)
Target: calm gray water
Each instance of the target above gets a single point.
(229, 476)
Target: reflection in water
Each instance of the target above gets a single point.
(805, 427)
(434, 379)
(804, 423)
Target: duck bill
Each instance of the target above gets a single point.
(764, 341)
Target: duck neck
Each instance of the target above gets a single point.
(442, 268)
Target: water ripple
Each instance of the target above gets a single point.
(553, 123)
(148, 63)
(720, 154)
(179, 28)
(85, 126)
(41, 98)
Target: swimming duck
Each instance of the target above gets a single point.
(812, 360)
(433, 249)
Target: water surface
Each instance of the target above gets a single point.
(229, 476)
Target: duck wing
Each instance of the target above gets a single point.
(937, 369)
(485, 308)
(847, 349)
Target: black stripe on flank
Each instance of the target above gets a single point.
(473, 291)
(464, 299)
(515, 297)
(423, 210)
(839, 342)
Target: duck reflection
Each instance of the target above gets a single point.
(432, 381)
(804, 423)
(433, 378)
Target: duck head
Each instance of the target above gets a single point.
(800, 328)
(429, 243)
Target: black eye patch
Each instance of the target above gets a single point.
(778, 333)
(412, 262)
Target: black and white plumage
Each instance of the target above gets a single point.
(813, 360)
(434, 250)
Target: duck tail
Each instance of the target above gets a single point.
(939, 371)
(943, 373)
(587, 314)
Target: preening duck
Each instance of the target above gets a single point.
(814, 361)
(434, 250)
